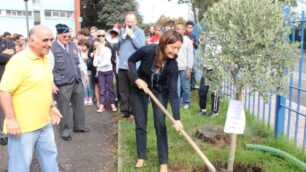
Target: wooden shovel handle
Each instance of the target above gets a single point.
(182, 131)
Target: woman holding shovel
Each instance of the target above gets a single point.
(158, 72)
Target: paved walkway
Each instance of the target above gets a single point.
(90, 152)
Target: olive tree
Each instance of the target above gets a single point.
(255, 51)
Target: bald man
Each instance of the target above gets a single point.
(26, 99)
(131, 39)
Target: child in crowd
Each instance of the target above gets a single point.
(215, 98)
(88, 89)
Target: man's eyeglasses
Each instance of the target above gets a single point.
(100, 36)
(66, 36)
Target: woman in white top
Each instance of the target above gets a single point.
(102, 60)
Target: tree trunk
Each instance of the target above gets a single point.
(239, 92)
(230, 163)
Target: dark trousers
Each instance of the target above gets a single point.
(106, 87)
(203, 92)
(73, 94)
(140, 109)
(117, 87)
(193, 81)
(125, 92)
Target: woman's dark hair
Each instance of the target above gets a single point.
(83, 42)
(169, 37)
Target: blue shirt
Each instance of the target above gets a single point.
(128, 45)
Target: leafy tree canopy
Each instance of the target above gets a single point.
(163, 19)
(255, 52)
(106, 13)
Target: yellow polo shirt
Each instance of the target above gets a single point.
(29, 79)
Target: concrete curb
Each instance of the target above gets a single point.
(119, 148)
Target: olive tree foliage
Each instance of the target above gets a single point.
(203, 5)
(164, 19)
(255, 51)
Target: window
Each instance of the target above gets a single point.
(63, 14)
(8, 12)
(36, 1)
(48, 13)
(36, 17)
(70, 14)
(55, 14)
(59, 14)
(17, 13)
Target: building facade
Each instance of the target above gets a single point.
(45, 12)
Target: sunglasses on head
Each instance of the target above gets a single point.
(101, 36)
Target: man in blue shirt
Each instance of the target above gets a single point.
(195, 41)
(131, 39)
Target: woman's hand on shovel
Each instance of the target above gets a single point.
(178, 125)
(142, 85)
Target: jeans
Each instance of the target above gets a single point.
(140, 109)
(88, 89)
(183, 87)
(20, 150)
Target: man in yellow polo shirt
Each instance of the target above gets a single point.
(26, 99)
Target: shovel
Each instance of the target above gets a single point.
(182, 131)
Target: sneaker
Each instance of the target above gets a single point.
(85, 102)
(203, 111)
(194, 87)
(186, 106)
(213, 115)
(90, 102)
(3, 141)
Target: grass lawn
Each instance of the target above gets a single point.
(183, 158)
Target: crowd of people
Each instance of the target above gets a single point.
(80, 71)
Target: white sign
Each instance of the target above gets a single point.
(235, 119)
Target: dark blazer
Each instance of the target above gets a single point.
(4, 58)
(66, 70)
(165, 81)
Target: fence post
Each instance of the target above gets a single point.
(279, 127)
